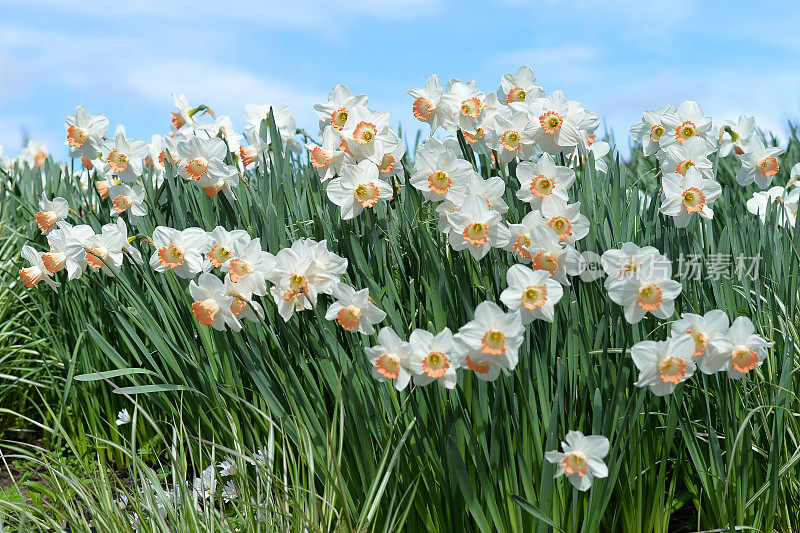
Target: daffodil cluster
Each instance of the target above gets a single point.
(357, 154)
(517, 144)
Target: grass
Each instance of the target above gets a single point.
(351, 454)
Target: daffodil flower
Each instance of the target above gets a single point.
(293, 278)
(531, 292)
(649, 289)
(760, 164)
(50, 213)
(476, 228)
(437, 171)
(212, 304)
(125, 157)
(581, 459)
(684, 196)
(336, 110)
(735, 136)
(651, 128)
(36, 272)
(519, 87)
(179, 251)
(549, 254)
(358, 187)
(353, 310)
(703, 328)
(433, 358)
(491, 341)
(664, 364)
(389, 359)
(85, 133)
(783, 201)
(739, 351)
(680, 158)
(427, 105)
(543, 179)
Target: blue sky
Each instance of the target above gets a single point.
(617, 57)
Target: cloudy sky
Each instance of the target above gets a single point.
(618, 57)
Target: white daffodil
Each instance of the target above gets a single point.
(293, 278)
(85, 133)
(581, 459)
(328, 267)
(335, 111)
(163, 151)
(224, 244)
(703, 328)
(686, 195)
(392, 162)
(354, 310)
(67, 250)
(125, 157)
(206, 485)
(250, 260)
(555, 123)
(543, 179)
(598, 149)
(686, 122)
(491, 341)
(464, 102)
(130, 199)
(329, 157)
(519, 236)
(36, 272)
(778, 199)
(649, 289)
(256, 153)
(203, 161)
(664, 364)
(34, 155)
(358, 187)
(104, 251)
(550, 255)
(739, 351)
(437, 170)
(389, 359)
(531, 292)
(179, 251)
(735, 136)
(680, 157)
(184, 115)
(491, 190)
(519, 87)
(367, 134)
(508, 138)
(759, 164)
(476, 227)
(627, 261)
(427, 103)
(50, 213)
(565, 220)
(433, 358)
(212, 305)
(649, 130)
